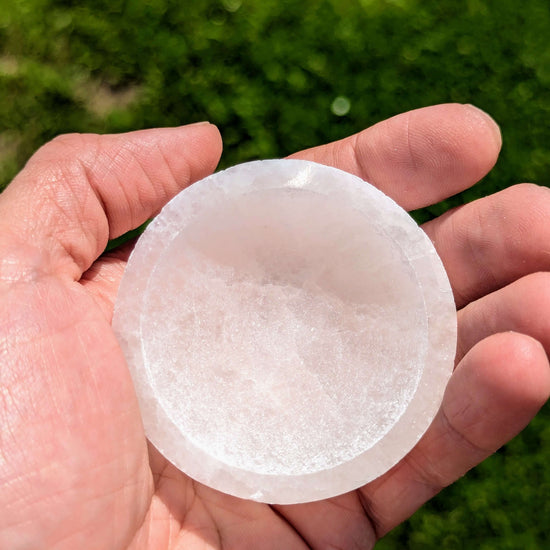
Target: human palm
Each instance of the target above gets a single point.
(75, 467)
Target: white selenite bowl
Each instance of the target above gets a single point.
(290, 331)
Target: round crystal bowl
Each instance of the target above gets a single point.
(289, 329)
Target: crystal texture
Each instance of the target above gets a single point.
(290, 331)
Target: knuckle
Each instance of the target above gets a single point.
(62, 142)
(66, 148)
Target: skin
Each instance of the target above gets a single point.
(75, 468)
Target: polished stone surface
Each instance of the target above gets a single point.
(289, 329)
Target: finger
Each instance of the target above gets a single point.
(338, 522)
(78, 191)
(246, 524)
(420, 157)
(493, 241)
(522, 306)
(185, 514)
(494, 392)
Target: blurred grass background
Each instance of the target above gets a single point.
(277, 76)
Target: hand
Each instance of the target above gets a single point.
(75, 469)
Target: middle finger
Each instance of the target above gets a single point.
(493, 241)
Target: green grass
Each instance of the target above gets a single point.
(277, 76)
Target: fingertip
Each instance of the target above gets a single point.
(210, 130)
(206, 141)
(454, 146)
(497, 388)
(482, 121)
(467, 134)
(512, 366)
(525, 362)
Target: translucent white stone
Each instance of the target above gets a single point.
(289, 329)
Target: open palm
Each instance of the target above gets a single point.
(75, 467)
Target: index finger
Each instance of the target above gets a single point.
(420, 157)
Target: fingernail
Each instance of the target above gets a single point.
(201, 123)
(489, 121)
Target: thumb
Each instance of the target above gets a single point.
(79, 190)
